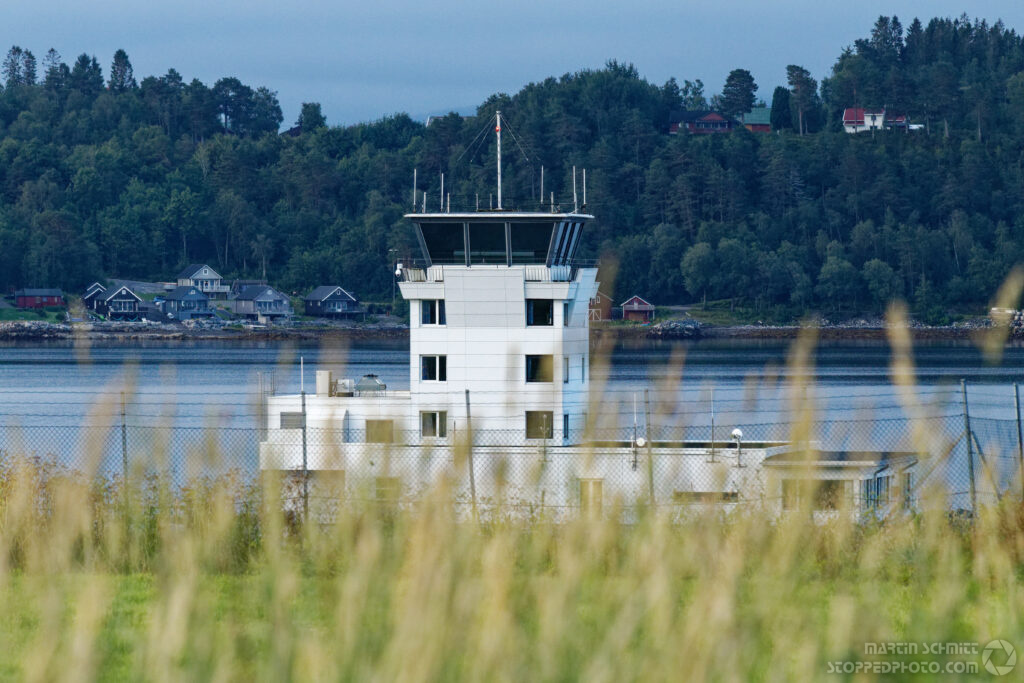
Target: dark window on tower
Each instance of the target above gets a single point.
(445, 242)
(432, 312)
(487, 243)
(540, 312)
(530, 242)
(539, 424)
(540, 368)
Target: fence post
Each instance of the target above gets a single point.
(469, 447)
(124, 443)
(305, 464)
(970, 449)
(1020, 436)
(650, 454)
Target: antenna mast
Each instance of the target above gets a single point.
(497, 129)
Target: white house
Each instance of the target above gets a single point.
(859, 119)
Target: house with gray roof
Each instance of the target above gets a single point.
(332, 301)
(262, 303)
(205, 279)
(186, 303)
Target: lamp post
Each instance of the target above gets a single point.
(390, 252)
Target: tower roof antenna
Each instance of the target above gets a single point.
(497, 130)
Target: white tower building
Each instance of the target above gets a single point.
(498, 309)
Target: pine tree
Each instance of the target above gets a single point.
(803, 89)
(28, 68)
(782, 118)
(12, 66)
(122, 76)
(311, 118)
(738, 93)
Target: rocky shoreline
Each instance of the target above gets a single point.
(669, 330)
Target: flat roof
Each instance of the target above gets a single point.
(470, 215)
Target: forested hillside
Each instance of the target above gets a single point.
(103, 174)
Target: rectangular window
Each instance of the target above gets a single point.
(828, 495)
(434, 368)
(432, 312)
(565, 314)
(291, 420)
(591, 495)
(583, 368)
(434, 423)
(539, 312)
(380, 431)
(565, 425)
(487, 243)
(540, 368)
(539, 424)
(565, 370)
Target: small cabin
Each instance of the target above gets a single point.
(38, 298)
(94, 293)
(637, 310)
(119, 304)
(332, 301)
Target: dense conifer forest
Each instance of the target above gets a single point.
(105, 174)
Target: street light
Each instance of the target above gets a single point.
(393, 251)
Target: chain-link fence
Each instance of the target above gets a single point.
(950, 457)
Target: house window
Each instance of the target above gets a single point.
(539, 312)
(876, 492)
(432, 312)
(291, 420)
(565, 370)
(583, 368)
(565, 314)
(565, 425)
(828, 494)
(540, 368)
(539, 424)
(434, 423)
(434, 368)
(591, 495)
(380, 431)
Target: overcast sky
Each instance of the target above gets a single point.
(362, 60)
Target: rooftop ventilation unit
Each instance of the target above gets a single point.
(370, 383)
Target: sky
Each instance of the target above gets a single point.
(365, 60)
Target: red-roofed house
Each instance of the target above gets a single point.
(700, 123)
(858, 119)
(638, 310)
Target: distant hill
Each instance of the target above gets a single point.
(104, 175)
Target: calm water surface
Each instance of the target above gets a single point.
(742, 381)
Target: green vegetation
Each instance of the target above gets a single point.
(210, 584)
(135, 179)
(51, 315)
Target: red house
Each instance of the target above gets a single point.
(38, 298)
(637, 310)
(700, 122)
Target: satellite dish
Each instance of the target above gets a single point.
(737, 434)
(641, 442)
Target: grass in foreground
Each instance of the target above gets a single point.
(207, 586)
